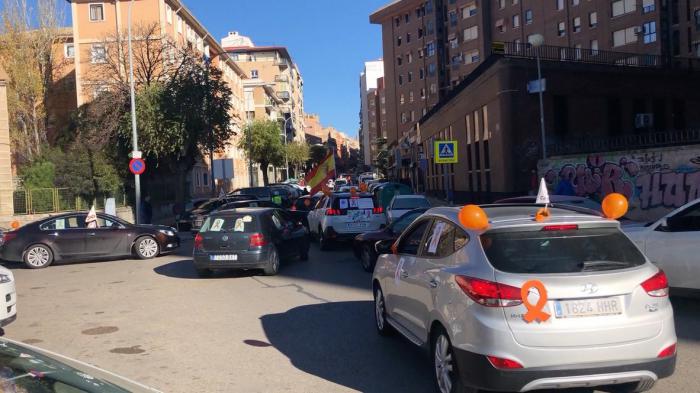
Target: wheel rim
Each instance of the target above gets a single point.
(365, 257)
(148, 248)
(38, 256)
(275, 261)
(443, 364)
(379, 309)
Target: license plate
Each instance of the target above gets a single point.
(588, 307)
(356, 225)
(224, 257)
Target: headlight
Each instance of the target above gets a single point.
(167, 232)
(5, 278)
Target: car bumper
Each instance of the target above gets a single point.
(477, 371)
(8, 305)
(246, 260)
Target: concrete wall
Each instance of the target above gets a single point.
(655, 181)
(6, 187)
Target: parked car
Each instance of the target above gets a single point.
(183, 221)
(363, 245)
(66, 237)
(401, 204)
(240, 204)
(577, 201)
(26, 368)
(340, 216)
(673, 243)
(8, 309)
(249, 238)
(196, 218)
(302, 206)
(293, 191)
(457, 292)
(385, 192)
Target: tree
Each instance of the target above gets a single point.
(317, 153)
(297, 154)
(262, 143)
(27, 37)
(381, 161)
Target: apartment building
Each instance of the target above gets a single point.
(61, 101)
(313, 130)
(431, 46)
(6, 186)
(375, 102)
(270, 66)
(368, 85)
(98, 31)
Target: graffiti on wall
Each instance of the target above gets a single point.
(655, 181)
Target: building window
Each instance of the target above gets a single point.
(430, 49)
(168, 14)
(577, 52)
(516, 21)
(471, 57)
(400, 80)
(515, 2)
(410, 96)
(528, 17)
(97, 12)
(501, 4)
(399, 60)
(398, 41)
(407, 17)
(253, 74)
(471, 33)
(402, 99)
(621, 7)
(69, 51)
(98, 54)
(430, 27)
(99, 90)
(649, 32)
(420, 53)
(408, 38)
(594, 47)
(697, 18)
(500, 26)
(397, 21)
(410, 77)
(577, 24)
(431, 69)
(624, 36)
(403, 118)
(560, 4)
(413, 116)
(457, 59)
(422, 93)
(454, 43)
(421, 74)
(648, 6)
(452, 15)
(433, 88)
(592, 19)
(574, 2)
(469, 11)
(179, 24)
(429, 6)
(561, 29)
(409, 57)
(420, 33)
(205, 179)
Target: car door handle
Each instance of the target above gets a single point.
(403, 273)
(433, 283)
(92, 234)
(54, 234)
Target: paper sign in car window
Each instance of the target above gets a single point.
(343, 204)
(354, 203)
(61, 224)
(248, 219)
(437, 232)
(365, 203)
(216, 226)
(239, 226)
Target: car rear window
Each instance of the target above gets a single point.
(244, 223)
(257, 191)
(410, 203)
(350, 203)
(563, 251)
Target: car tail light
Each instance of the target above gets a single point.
(503, 363)
(378, 210)
(198, 242)
(657, 285)
(565, 227)
(334, 212)
(257, 240)
(489, 293)
(668, 351)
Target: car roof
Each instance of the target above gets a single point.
(519, 215)
(552, 198)
(244, 210)
(347, 194)
(411, 196)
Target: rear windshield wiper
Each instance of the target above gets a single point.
(602, 265)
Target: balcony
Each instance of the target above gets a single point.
(623, 142)
(282, 63)
(284, 95)
(281, 78)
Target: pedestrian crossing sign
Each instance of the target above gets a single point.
(446, 152)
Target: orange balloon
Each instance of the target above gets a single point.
(363, 187)
(615, 206)
(15, 224)
(542, 214)
(473, 217)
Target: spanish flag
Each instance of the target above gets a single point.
(321, 174)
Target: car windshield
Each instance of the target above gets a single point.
(24, 370)
(410, 203)
(244, 223)
(349, 203)
(257, 191)
(210, 205)
(563, 251)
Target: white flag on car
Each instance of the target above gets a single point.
(91, 219)
(543, 193)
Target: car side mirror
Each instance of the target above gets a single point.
(383, 247)
(663, 225)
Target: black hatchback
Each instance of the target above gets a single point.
(249, 238)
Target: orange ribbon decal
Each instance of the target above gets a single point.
(534, 311)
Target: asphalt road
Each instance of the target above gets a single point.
(309, 329)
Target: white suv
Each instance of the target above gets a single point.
(342, 216)
(466, 297)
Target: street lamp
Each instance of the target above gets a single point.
(537, 40)
(284, 133)
(134, 132)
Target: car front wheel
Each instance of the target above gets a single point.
(146, 248)
(38, 256)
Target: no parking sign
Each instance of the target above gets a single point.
(137, 166)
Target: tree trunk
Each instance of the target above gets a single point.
(263, 167)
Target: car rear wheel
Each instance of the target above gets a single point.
(273, 263)
(367, 258)
(38, 256)
(447, 379)
(146, 248)
(383, 327)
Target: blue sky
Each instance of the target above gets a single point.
(329, 39)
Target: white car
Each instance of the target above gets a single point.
(401, 204)
(8, 312)
(341, 216)
(673, 243)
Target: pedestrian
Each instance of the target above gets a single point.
(146, 211)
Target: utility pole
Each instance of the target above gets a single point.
(284, 134)
(134, 132)
(537, 41)
(249, 135)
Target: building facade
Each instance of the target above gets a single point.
(6, 185)
(431, 46)
(271, 66)
(368, 86)
(164, 27)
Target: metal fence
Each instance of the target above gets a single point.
(54, 200)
